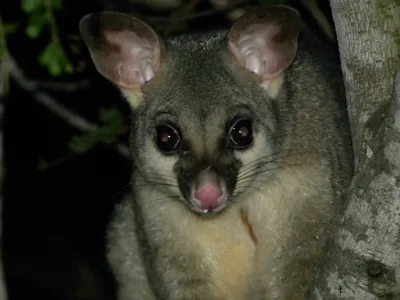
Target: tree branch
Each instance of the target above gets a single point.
(64, 87)
(50, 103)
(369, 51)
(364, 260)
(317, 13)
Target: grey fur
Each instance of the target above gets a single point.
(161, 249)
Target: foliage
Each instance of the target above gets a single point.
(41, 14)
(107, 133)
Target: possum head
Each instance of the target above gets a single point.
(203, 117)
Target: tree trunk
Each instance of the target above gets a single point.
(364, 261)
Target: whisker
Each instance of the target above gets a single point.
(249, 172)
(276, 137)
(240, 190)
(244, 184)
(166, 198)
(274, 160)
(259, 165)
(147, 183)
(260, 158)
(123, 190)
(159, 176)
(280, 154)
(158, 179)
(271, 157)
(275, 168)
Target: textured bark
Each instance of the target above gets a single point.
(364, 261)
(369, 42)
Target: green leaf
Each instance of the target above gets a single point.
(54, 68)
(48, 55)
(36, 23)
(57, 4)
(42, 165)
(30, 6)
(83, 143)
(74, 37)
(33, 31)
(75, 49)
(68, 68)
(39, 19)
(107, 135)
(81, 65)
(110, 116)
(55, 60)
(11, 28)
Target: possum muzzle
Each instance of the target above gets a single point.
(208, 192)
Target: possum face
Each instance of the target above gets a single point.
(204, 123)
(204, 155)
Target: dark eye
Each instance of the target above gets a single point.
(167, 138)
(241, 133)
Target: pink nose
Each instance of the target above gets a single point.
(209, 197)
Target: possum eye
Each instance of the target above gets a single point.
(241, 133)
(167, 138)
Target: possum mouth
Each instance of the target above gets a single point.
(208, 193)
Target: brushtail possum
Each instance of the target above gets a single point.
(241, 156)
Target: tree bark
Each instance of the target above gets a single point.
(364, 259)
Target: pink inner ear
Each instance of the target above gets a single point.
(258, 54)
(265, 42)
(129, 61)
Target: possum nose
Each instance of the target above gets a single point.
(209, 191)
(209, 197)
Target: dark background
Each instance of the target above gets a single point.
(54, 220)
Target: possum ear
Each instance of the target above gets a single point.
(264, 41)
(124, 49)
